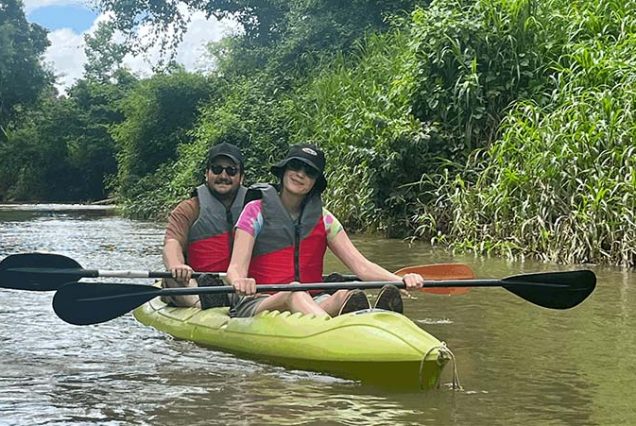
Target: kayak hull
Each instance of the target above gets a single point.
(375, 347)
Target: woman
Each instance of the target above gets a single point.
(281, 237)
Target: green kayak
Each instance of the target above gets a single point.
(376, 347)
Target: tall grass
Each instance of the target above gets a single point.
(416, 99)
(559, 184)
(358, 110)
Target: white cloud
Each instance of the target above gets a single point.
(31, 5)
(67, 58)
(191, 52)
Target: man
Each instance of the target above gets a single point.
(199, 234)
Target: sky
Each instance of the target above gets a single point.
(69, 20)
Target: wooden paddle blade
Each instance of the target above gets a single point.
(440, 272)
(554, 290)
(93, 303)
(27, 271)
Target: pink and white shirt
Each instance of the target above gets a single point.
(251, 220)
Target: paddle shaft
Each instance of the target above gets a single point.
(351, 285)
(92, 303)
(95, 273)
(49, 272)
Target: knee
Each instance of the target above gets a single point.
(289, 298)
(298, 296)
(340, 295)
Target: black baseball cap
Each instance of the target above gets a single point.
(309, 154)
(227, 150)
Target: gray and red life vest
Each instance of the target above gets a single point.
(287, 250)
(212, 234)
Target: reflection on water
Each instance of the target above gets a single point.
(518, 363)
(47, 207)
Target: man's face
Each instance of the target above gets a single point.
(219, 176)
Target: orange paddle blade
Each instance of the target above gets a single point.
(440, 272)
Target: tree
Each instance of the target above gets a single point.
(275, 31)
(104, 56)
(62, 149)
(33, 160)
(91, 147)
(159, 112)
(22, 77)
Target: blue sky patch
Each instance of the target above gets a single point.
(77, 18)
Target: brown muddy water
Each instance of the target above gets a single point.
(518, 363)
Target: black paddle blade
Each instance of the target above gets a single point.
(554, 290)
(93, 303)
(32, 271)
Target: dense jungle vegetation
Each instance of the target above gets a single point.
(496, 126)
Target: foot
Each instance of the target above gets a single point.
(212, 300)
(356, 300)
(389, 299)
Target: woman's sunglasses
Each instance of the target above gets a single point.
(230, 170)
(297, 165)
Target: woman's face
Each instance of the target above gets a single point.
(299, 178)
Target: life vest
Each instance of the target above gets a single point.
(287, 250)
(211, 236)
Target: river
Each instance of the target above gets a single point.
(518, 363)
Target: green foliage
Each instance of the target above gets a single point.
(560, 182)
(284, 35)
(244, 115)
(408, 101)
(91, 148)
(251, 112)
(34, 162)
(62, 151)
(358, 111)
(22, 77)
(158, 114)
(104, 56)
(497, 126)
(474, 59)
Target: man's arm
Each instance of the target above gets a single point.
(176, 239)
(174, 260)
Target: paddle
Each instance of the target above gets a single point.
(442, 272)
(48, 271)
(93, 303)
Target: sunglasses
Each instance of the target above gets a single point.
(297, 165)
(230, 170)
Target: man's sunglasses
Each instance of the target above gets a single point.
(297, 165)
(230, 170)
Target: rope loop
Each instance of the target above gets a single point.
(444, 352)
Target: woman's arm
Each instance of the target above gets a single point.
(366, 270)
(240, 263)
